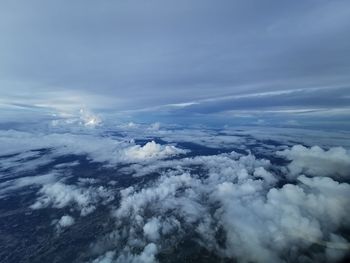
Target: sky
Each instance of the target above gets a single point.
(250, 61)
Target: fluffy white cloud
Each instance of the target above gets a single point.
(151, 229)
(266, 226)
(318, 162)
(233, 205)
(238, 195)
(97, 148)
(65, 221)
(59, 195)
(147, 255)
(151, 150)
(228, 161)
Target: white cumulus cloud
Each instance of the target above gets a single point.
(234, 210)
(59, 195)
(318, 162)
(152, 150)
(65, 221)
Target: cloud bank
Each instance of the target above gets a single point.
(235, 210)
(261, 198)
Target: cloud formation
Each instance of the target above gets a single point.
(59, 195)
(208, 57)
(96, 148)
(268, 200)
(152, 150)
(65, 221)
(235, 210)
(318, 162)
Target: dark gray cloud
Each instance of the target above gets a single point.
(128, 55)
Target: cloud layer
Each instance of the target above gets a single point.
(239, 196)
(176, 60)
(318, 162)
(250, 196)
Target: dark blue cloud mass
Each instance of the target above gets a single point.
(175, 59)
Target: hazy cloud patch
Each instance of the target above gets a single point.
(59, 195)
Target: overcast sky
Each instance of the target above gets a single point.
(181, 57)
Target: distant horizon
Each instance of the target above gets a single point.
(277, 62)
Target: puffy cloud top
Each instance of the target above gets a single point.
(66, 221)
(318, 162)
(244, 205)
(152, 150)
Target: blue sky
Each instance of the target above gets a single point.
(248, 62)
